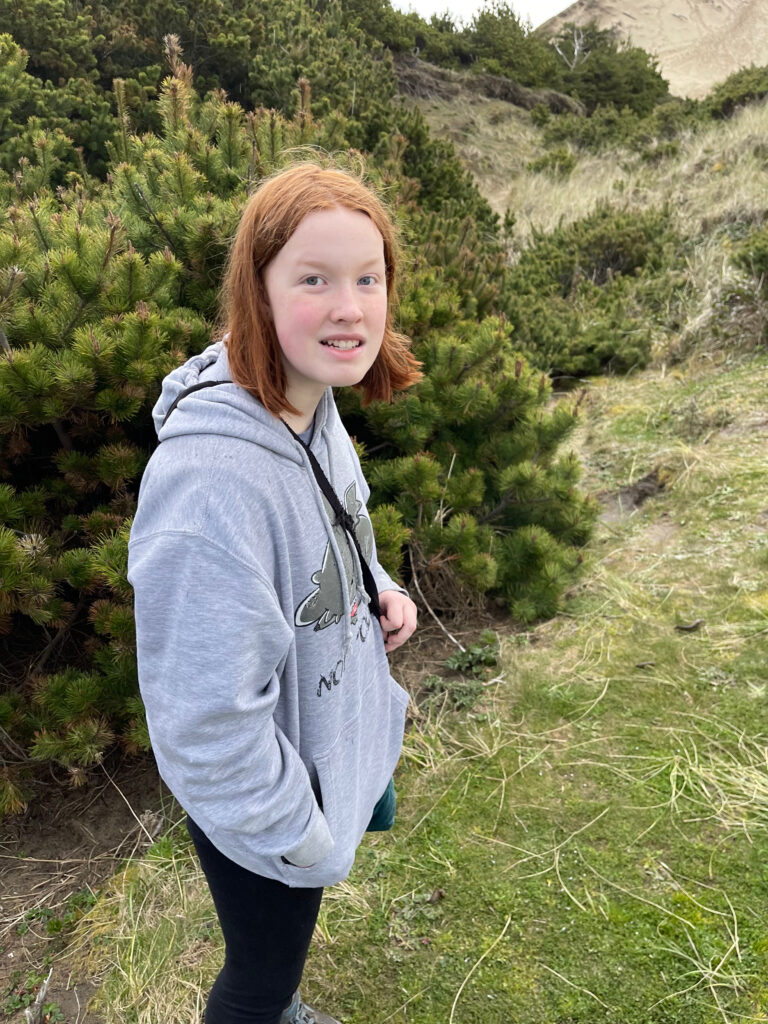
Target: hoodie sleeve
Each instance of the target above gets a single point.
(211, 643)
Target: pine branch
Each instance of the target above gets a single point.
(38, 228)
(131, 276)
(51, 648)
(63, 436)
(85, 299)
(427, 605)
(153, 216)
(15, 272)
(76, 316)
(114, 224)
(18, 752)
(379, 447)
(505, 502)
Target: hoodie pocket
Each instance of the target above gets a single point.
(357, 768)
(352, 774)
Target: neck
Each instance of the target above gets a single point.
(297, 423)
(306, 400)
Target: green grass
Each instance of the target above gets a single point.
(589, 842)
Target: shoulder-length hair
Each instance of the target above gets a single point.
(270, 217)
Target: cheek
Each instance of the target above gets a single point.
(294, 322)
(379, 316)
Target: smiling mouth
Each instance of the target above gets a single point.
(343, 344)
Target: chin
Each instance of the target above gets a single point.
(348, 380)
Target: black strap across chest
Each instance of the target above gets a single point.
(343, 518)
(189, 391)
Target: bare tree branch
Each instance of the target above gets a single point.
(579, 53)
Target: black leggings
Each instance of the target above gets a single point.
(267, 929)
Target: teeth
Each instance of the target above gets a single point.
(339, 343)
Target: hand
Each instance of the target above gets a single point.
(398, 618)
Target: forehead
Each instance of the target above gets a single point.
(335, 232)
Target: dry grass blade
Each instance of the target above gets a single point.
(635, 896)
(402, 1006)
(579, 988)
(476, 964)
(426, 739)
(442, 796)
(553, 851)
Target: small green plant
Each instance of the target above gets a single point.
(456, 694)
(57, 923)
(21, 991)
(478, 657)
(52, 1012)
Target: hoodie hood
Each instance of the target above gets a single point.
(227, 411)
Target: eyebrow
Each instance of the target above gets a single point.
(317, 264)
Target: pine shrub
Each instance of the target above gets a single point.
(580, 295)
(469, 459)
(558, 163)
(742, 87)
(611, 127)
(104, 287)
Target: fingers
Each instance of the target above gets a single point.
(398, 620)
(392, 641)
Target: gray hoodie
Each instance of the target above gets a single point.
(272, 713)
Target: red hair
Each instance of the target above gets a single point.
(270, 217)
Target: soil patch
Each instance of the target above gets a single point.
(421, 80)
(620, 504)
(659, 535)
(53, 857)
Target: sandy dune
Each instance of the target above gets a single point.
(698, 42)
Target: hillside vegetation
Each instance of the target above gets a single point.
(582, 826)
(697, 44)
(583, 809)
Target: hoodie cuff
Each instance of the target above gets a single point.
(385, 582)
(318, 844)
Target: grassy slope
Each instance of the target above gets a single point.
(589, 843)
(718, 173)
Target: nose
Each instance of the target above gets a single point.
(346, 306)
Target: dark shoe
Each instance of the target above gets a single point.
(299, 1013)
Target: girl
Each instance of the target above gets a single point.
(272, 713)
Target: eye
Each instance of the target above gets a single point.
(313, 279)
(366, 280)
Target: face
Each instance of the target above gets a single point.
(327, 295)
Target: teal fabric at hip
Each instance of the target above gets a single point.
(384, 812)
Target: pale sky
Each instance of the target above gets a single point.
(462, 10)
